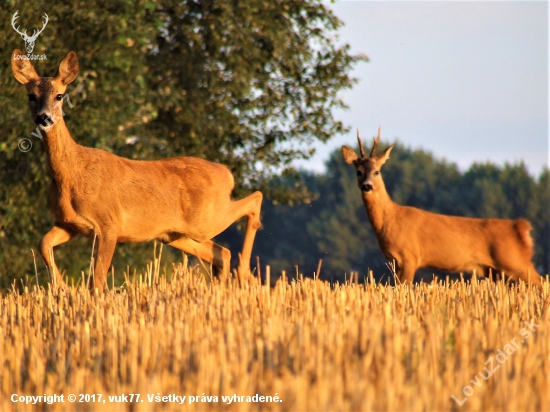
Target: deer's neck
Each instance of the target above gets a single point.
(380, 209)
(61, 152)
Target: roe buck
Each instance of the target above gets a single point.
(416, 238)
(182, 201)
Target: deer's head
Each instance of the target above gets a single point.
(45, 93)
(29, 40)
(369, 178)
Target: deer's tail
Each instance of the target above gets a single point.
(523, 229)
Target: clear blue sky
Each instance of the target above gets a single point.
(467, 81)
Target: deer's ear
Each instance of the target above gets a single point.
(68, 68)
(385, 155)
(22, 68)
(349, 155)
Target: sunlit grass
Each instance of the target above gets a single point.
(317, 346)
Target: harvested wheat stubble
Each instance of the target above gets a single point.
(315, 346)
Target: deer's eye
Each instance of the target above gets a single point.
(377, 173)
(32, 98)
(359, 173)
(59, 97)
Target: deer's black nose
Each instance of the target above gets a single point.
(43, 120)
(366, 187)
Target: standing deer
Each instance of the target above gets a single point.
(182, 201)
(416, 238)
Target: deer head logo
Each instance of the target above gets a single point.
(29, 40)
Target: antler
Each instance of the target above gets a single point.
(360, 145)
(375, 144)
(13, 19)
(37, 32)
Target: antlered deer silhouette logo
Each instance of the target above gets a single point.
(29, 40)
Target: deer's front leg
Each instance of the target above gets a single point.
(105, 250)
(56, 236)
(405, 272)
(208, 251)
(250, 207)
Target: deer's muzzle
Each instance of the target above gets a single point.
(43, 120)
(366, 187)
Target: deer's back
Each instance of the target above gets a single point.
(456, 243)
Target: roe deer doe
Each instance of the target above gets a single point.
(416, 238)
(182, 201)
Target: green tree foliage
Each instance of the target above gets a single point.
(249, 84)
(250, 77)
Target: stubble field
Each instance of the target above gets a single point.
(302, 345)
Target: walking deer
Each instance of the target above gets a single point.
(416, 238)
(182, 201)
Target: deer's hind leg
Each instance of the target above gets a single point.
(250, 207)
(56, 236)
(529, 274)
(516, 264)
(210, 252)
(227, 214)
